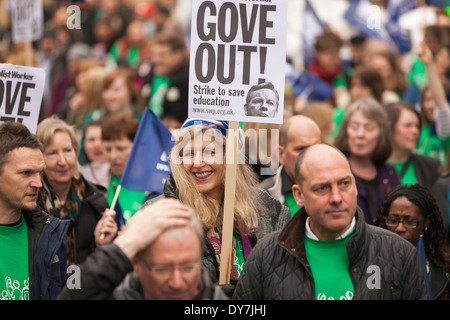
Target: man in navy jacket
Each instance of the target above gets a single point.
(33, 262)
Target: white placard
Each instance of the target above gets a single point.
(21, 90)
(235, 45)
(27, 20)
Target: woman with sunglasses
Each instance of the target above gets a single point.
(411, 212)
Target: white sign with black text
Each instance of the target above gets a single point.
(27, 20)
(21, 90)
(237, 60)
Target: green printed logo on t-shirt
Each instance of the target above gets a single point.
(329, 266)
(14, 281)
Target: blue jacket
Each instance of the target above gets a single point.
(47, 254)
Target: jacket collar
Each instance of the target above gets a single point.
(170, 188)
(292, 237)
(36, 218)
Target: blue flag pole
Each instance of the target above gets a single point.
(423, 260)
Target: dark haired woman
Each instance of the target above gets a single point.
(411, 212)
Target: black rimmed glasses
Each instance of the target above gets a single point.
(409, 224)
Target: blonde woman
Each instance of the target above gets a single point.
(89, 96)
(198, 180)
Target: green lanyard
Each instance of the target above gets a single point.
(290, 202)
(160, 85)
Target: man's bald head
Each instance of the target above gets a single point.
(315, 152)
(298, 124)
(297, 133)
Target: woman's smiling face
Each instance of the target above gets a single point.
(204, 163)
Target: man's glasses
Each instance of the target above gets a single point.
(167, 270)
(409, 224)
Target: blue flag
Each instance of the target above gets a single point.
(148, 163)
(311, 29)
(361, 15)
(398, 7)
(412, 93)
(400, 36)
(438, 3)
(308, 85)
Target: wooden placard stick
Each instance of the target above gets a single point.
(113, 205)
(28, 54)
(229, 197)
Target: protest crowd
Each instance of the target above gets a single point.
(351, 203)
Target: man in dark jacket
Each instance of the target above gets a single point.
(32, 244)
(166, 86)
(327, 251)
(296, 133)
(157, 257)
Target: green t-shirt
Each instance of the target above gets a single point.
(409, 177)
(160, 85)
(329, 265)
(129, 201)
(132, 54)
(340, 81)
(239, 260)
(14, 278)
(290, 203)
(431, 145)
(338, 116)
(418, 74)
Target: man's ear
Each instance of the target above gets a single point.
(281, 157)
(354, 184)
(134, 263)
(298, 195)
(245, 109)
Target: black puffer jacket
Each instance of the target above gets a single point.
(277, 268)
(92, 207)
(275, 217)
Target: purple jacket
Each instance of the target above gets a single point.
(387, 179)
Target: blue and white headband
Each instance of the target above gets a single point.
(219, 125)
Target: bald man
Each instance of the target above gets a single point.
(327, 251)
(297, 133)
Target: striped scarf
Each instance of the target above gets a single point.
(69, 210)
(215, 238)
